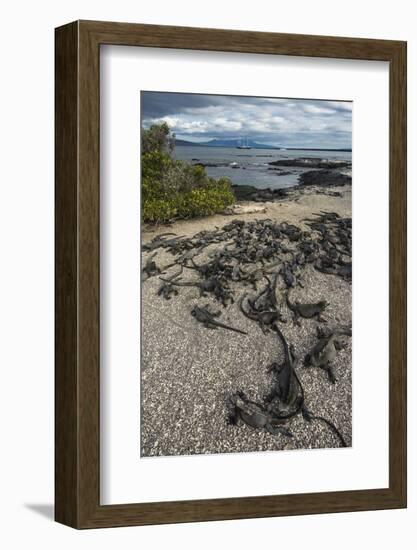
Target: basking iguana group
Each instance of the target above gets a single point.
(274, 256)
(285, 401)
(247, 251)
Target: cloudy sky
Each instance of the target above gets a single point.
(281, 122)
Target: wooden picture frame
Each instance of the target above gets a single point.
(77, 405)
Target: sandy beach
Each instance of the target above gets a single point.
(188, 371)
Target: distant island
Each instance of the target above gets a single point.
(251, 143)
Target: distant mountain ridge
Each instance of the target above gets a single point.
(225, 143)
(251, 143)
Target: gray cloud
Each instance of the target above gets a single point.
(282, 122)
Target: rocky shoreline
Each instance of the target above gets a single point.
(322, 180)
(312, 162)
(304, 172)
(324, 174)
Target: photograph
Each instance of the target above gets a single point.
(246, 274)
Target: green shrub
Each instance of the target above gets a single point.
(157, 138)
(174, 189)
(197, 202)
(158, 210)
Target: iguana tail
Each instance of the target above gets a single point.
(309, 417)
(287, 299)
(179, 283)
(283, 340)
(332, 427)
(246, 313)
(230, 328)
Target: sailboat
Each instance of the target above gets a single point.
(244, 145)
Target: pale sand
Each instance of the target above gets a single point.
(294, 209)
(187, 371)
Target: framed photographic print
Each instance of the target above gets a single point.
(230, 274)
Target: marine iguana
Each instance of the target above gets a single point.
(293, 232)
(188, 255)
(264, 307)
(166, 289)
(150, 268)
(213, 285)
(325, 350)
(307, 311)
(310, 249)
(204, 285)
(158, 242)
(288, 387)
(265, 318)
(208, 318)
(253, 277)
(323, 216)
(290, 391)
(268, 297)
(242, 409)
(344, 271)
(213, 268)
(288, 275)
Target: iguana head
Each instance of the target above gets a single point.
(276, 367)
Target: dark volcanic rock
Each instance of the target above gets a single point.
(324, 178)
(280, 172)
(307, 162)
(329, 193)
(244, 192)
(250, 193)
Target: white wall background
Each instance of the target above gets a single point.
(26, 273)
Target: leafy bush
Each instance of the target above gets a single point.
(175, 189)
(157, 138)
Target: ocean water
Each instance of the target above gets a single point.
(252, 164)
